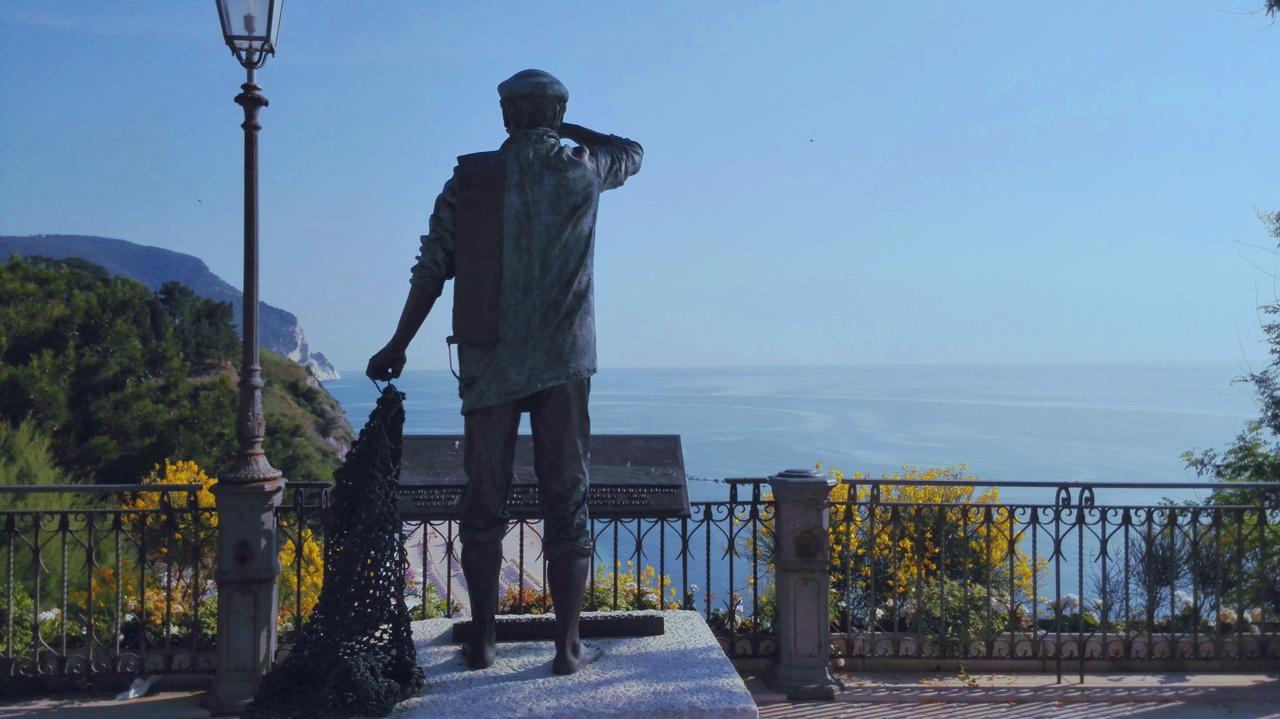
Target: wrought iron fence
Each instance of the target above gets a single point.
(114, 580)
(714, 561)
(300, 533)
(120, 580)
(959, 576)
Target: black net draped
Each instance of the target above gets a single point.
(355, 656)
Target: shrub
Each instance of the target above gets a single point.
(642, 589)
(294, 594)
(923, 556)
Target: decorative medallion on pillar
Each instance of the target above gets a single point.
(802, 667)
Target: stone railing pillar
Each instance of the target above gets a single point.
(247, 570)
(802, 667)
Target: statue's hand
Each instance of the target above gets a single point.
(386, 364)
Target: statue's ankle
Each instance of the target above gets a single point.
(480, 652)
(573, 657)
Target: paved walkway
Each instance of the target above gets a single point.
(162, 705)
(1020, 696)
(1032, 710)
(876, 696)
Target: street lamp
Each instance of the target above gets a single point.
(250, 28)
(249, 492)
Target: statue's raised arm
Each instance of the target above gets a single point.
(614, 158)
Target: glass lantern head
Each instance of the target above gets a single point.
(250, 28)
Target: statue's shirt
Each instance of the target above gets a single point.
(546, 324)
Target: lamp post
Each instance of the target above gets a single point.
(248, 494)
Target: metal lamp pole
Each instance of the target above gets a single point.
(248, 494)
(251, 463)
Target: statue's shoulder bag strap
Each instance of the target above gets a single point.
(477, 282)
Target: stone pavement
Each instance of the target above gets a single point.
(1018, 696)
(161, 705)
(1033, 710)
(874, 696)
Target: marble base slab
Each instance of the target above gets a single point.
(682, 674)
(592, 625)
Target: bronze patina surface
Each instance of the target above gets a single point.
(514, 228)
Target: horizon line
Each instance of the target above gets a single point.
(912, 363)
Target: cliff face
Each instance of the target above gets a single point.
(153, 266)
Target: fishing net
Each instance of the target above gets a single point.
(355, 655)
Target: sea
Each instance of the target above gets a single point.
(1125, 422)
(1003, 422)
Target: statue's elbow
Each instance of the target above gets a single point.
(638, 154)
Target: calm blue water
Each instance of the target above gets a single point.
(1044, 422)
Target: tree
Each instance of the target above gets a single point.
(26, 460)
(1254, 455)
(202, 328)
(97, 364)
(119, 378)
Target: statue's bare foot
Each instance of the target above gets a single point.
(481, 655)
(575, 657)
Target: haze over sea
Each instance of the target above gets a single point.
(1046, 422)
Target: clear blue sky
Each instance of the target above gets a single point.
(824, 182)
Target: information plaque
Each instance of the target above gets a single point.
(632, 475)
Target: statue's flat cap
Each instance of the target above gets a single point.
(533, 83)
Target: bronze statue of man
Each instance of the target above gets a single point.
(514, 228)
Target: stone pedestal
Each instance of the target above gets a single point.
(248, 566)
(680, 674)
(802, 667)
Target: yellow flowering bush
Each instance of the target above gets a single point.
(175, 572)
(308, 567)
(923, 555)
(919, 537)
(181, 525)
(643, 589)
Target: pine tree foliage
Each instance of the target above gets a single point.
(120, 379)
(26, 461)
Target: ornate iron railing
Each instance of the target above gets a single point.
(116, 581)
(713, 561)
(1073, 581)
(300, 533)
(120, 580)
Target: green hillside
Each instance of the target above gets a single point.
(119, 378)
(279, 330)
